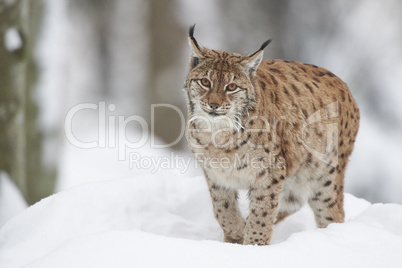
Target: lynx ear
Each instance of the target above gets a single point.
(196, 49)
(251, 62)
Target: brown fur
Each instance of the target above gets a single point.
(285, 135)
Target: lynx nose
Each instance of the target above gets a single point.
(214, 106)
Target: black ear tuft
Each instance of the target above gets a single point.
(191, 34)
(191, 31)
(264, 45)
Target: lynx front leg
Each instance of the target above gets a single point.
(264, 198)
(227, 212)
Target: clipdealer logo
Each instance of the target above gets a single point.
(112, 129)
(112, 134)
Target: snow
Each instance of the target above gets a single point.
(119, 160)
(12, 40)
(166, 220)
(11, 200)
(374, 167)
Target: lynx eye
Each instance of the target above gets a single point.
(231, 87)
(205, 82)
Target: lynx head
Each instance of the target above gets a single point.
(219, 84)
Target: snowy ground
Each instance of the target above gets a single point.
(167, 221)
(11, 200)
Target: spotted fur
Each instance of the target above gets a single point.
(283, 130)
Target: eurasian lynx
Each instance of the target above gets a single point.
(283, 130)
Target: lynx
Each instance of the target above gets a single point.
(283, 130)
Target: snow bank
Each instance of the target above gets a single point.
(11, 200)
(161, 221)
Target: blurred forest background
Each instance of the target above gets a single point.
(56, 54)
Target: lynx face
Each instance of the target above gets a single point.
(221, 92)
(219, 86)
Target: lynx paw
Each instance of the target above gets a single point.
(227, 239)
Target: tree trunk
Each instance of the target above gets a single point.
(163, 82)
(20, 136)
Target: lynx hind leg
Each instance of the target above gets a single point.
(289, 204)
(327, 199)
(283, 214)
(227, 213)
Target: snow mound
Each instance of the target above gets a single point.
(155, 221)
(11, 200)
